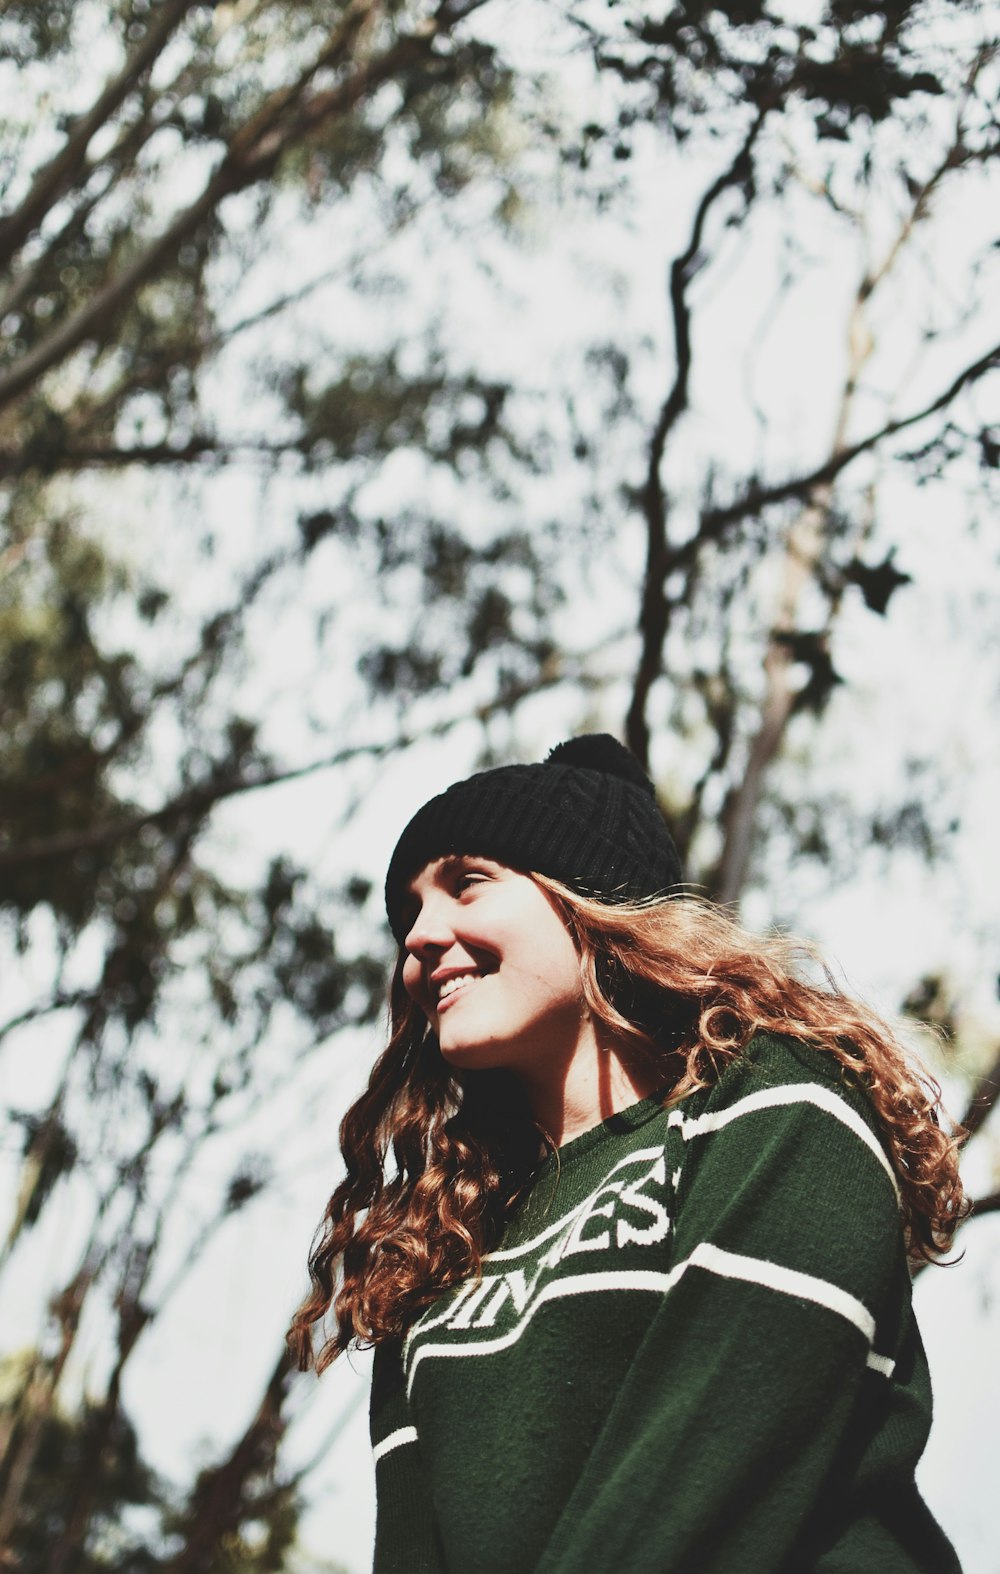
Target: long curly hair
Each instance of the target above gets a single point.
(436, 1159)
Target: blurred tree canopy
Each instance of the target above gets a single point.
(305, 462)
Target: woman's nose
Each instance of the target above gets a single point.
(431, 930)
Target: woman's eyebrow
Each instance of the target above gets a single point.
(442, 866)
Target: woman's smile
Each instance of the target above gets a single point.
(452, 986)
(493, 966)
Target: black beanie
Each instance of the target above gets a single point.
(587, 816)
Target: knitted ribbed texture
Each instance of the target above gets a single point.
(587, 816)
(693, 1353)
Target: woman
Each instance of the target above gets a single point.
(625, 1215)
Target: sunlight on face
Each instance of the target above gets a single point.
(493, 967)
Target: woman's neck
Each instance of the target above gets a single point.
(597, 1082)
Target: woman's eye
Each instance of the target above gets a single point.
(472, 877)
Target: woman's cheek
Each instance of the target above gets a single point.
(411, 981)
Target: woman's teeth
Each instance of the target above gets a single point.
(451, 984)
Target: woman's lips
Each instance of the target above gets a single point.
(455, 986)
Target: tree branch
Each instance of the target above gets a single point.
(980, 1209)
(218, 1505)
(59, 1002)
(116, 163)
(803, 555)
(53, 178)
(714, 521)
(803, 552)
(654, 612)
(39, 1399)
(202, 445)
(197, 801)
(983, 1100)
(984, 1205)
(30, 280)
(251, 156)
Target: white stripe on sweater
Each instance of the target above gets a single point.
(775, 1098)
(710, 1258)
(405, 1434)
(701, 1125)
(881, 1363)
(555, 1290)
(787, 1281)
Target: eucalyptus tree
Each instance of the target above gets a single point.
(278, 504)
(130, 207)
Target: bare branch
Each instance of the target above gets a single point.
(981, 1207)
(115, 164)
(357, 1397)
(54, 177)
(803, 554)
(88, 322)
(714, 521)
(280, 303)
(983, 1101)
(218, 1506)
(984, 1205)
(202, 445)
(59, 1002)
(31, 279)
(740, 809)
(39, 1397)
(654, 611)
(133, 1316)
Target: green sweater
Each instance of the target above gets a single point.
(694, 1351)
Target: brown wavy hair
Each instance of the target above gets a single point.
(436, 1159)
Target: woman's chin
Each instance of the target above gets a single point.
(471, 1055)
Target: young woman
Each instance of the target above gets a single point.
(625, 1215)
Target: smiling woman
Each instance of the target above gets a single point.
(625, 1215)
(495, 969)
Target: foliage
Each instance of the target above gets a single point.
(288, 486)
(63, 1452)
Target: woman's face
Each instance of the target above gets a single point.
(493, 967)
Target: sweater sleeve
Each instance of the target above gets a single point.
(725, 1444)
(406, 1537)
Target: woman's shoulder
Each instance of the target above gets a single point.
(786, 1106)
(778, 1068)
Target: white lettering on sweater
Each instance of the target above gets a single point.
(634, 1216)
(580, 1252)
(657, 1230)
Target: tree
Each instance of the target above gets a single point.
(114, 313)
(235, 319)
(62, 1445)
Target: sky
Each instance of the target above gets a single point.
(565, 270)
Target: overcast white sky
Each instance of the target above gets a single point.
(930, 672)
